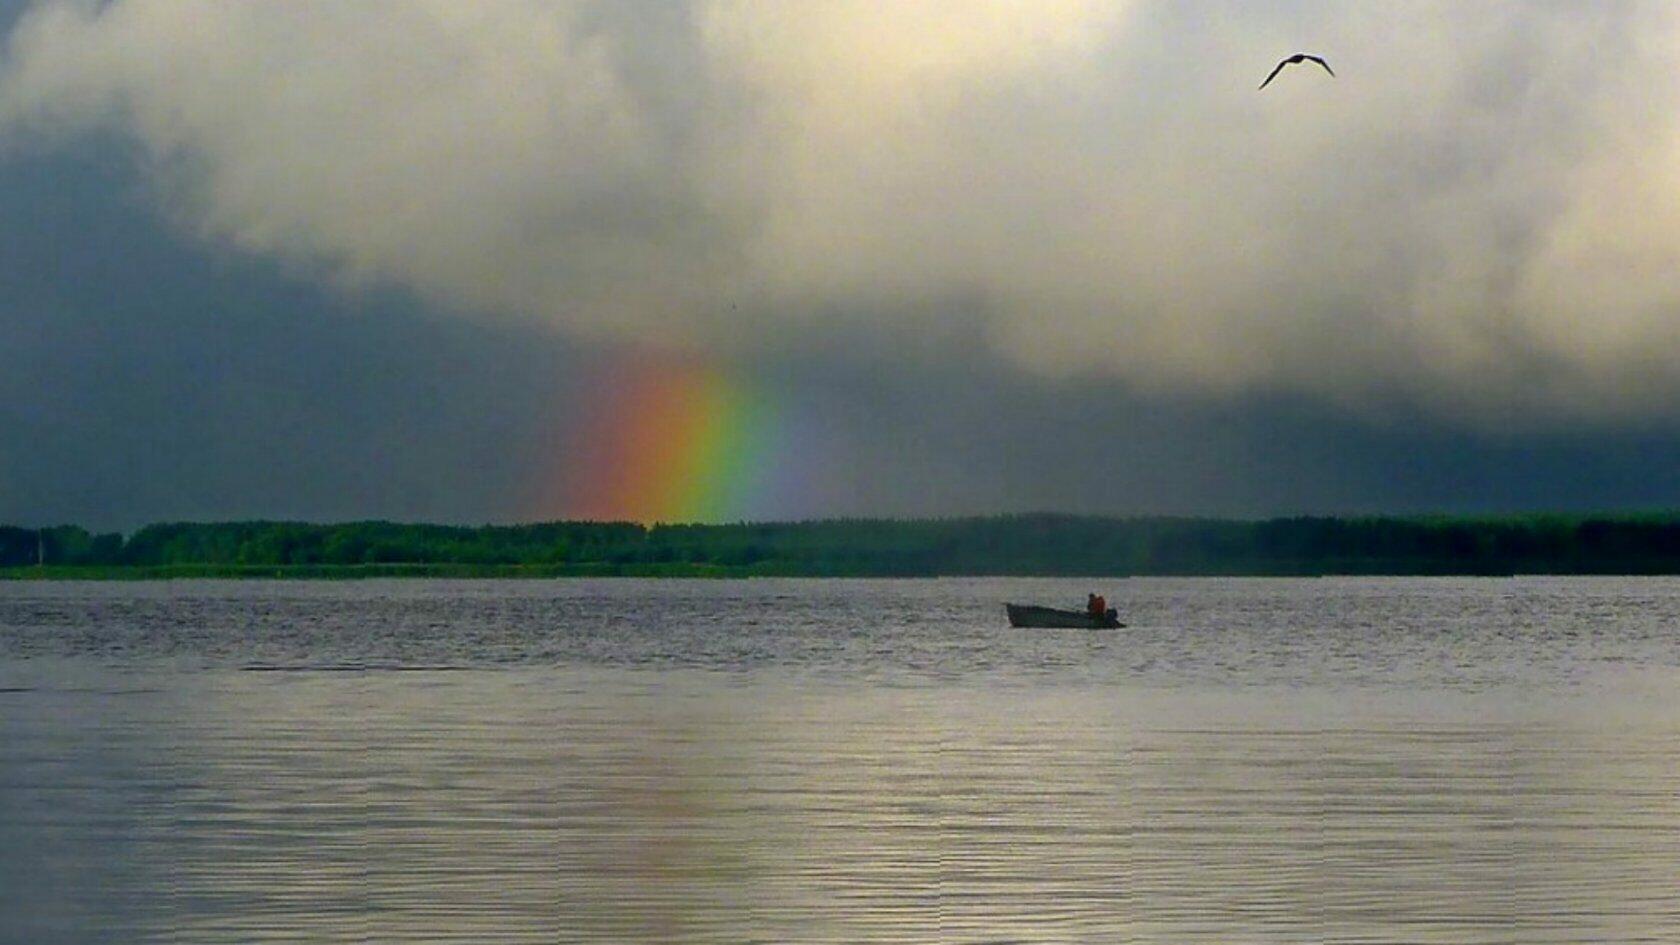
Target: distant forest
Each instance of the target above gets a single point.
(1015, 545)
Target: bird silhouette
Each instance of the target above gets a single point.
(1296, 60)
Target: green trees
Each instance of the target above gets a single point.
(1015, 544)
(60, 545)
(17, 546)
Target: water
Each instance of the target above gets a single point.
(838, 761)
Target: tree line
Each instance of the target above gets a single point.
(1042, 544)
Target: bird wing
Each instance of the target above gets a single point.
(1326, 65)
(1274, 74)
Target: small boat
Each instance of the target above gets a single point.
(1022, 615)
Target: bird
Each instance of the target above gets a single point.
(1296, 60)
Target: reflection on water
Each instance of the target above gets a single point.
(996, 791)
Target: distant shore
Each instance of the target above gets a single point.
(519, 572)
(446, 570)
(1043, 545)
(353, 572)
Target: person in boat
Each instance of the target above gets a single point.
(1096, 606)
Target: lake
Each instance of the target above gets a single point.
(627, 761)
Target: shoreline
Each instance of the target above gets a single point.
(520, 572)
(1046, 545)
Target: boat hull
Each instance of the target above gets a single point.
(1023, 615)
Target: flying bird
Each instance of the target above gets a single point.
(1296, 60)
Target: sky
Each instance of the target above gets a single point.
(694, 260)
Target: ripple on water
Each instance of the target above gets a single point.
(830, 780)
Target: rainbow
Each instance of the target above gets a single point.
(666, 439)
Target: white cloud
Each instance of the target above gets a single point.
(1481, 213)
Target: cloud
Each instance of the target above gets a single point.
(1479, 216)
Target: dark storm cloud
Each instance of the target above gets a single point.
(335, 261)
(142, 378)
(1480, 215)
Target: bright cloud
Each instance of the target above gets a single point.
(1480, 214)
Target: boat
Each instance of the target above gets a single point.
(1023, 615)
